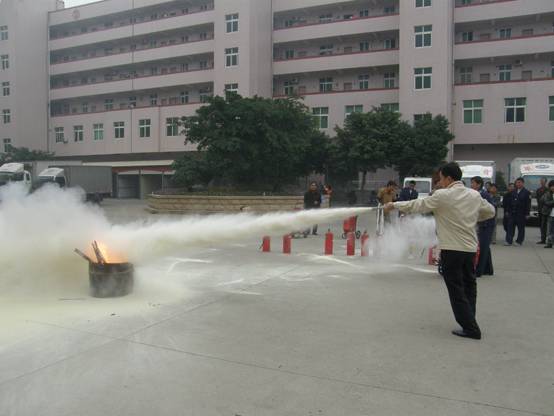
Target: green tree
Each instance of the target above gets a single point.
(255, 141)
(419, 150)
(23, 154)
(366, 139)
(190, 170)
(501, 182)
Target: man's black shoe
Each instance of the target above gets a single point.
(314, 233)
(541, 242)
(548, 245)
(463, 334)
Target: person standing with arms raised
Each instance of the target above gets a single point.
(456, 210)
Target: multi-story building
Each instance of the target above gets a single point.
(121, 71)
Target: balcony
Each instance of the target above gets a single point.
(504, 47)
(170, 80)
(111, 35)
(377, 58)
(338, 28)
(493, 11)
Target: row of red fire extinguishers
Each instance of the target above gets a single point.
(349, 233)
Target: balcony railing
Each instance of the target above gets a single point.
(300, 24)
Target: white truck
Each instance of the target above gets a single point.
(470, 168)
(15, 172)
(532, 170)
(422, 185)
(96, 181)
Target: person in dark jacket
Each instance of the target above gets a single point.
(548, 211)
(543, 220)
(312, 200)
(518, 211)
(505, 205)
(408, 193)
(496, 201)
(485, 230)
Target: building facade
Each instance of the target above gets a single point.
(121, 71)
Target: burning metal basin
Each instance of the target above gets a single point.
(108, 280)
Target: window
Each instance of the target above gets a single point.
(550, 108)
(552, 69)
(423, 36)
(467, 74)
(108, 104)
(203, 7)
(185, 38)
(108, 51)
(6, 115)
(58, 133)
(391, 106)
(153, 16)
(119, 129)
(202, 96)
(418, 117)
(473, 111)
(5, 61)
(171, 127)
(325, 17)
(364, 46)
(108, 77)
(78, 133)
(389, 43)
(144, 128)
(389, 10)
(84, 80)
(185, 67)
(363, 82)
(289, 87)
(289, 23)
(153, 43)
(326, 50)
(133, 47)
(5, 89)
(504, 72)
(465, 2)
(203, 64)
(514, 110)
(184, 97)
(323, 114)
(363, 13)
(98, 130)
(84, 107)
(289, 54)
(231, 57)
(153, 99)
(422, 3)
(389, 79)
(467, 36)
(7, 145)
(349, 109)
(232, 87)
(153, 71)
(325, 84)
(132, 102)
(203, 36)
(505, 32)
(232, 23)
(422, 78)
(65, 108)
(3, 32)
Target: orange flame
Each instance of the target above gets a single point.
(109, 256)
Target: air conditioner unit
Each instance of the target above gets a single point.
(65, 141)
(294, 80)
(518, 62)
(208, 88)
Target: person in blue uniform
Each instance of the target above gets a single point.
(408, 193)
(518, 211)
(485, 230)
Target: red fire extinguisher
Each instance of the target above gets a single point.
(286, 244)
(266, 244)
(365, 245)
(350, 243)
(328, 242)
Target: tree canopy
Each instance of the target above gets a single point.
(255, 141)
(23, 154)
(379, 139)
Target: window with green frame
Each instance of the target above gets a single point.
(323, 114)
(551, 108)
(473, 111)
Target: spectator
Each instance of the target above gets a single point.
(312, 200)
(386, 195)
(505, 205)
(543, 220)
(485, 230)
(408, 193)
(436, 186)
(518, 212)
(547, 205)
(496, 201)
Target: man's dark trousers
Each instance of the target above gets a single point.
(458, 272)
(484, 264)
(543, 221)
(516, 220)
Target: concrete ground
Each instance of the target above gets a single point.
(229, 330)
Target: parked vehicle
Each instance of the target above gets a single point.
(470, 168)
(15, 172)
(96, 181)
(532, 170)
(422, 185)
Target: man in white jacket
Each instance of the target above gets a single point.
(456, 209)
